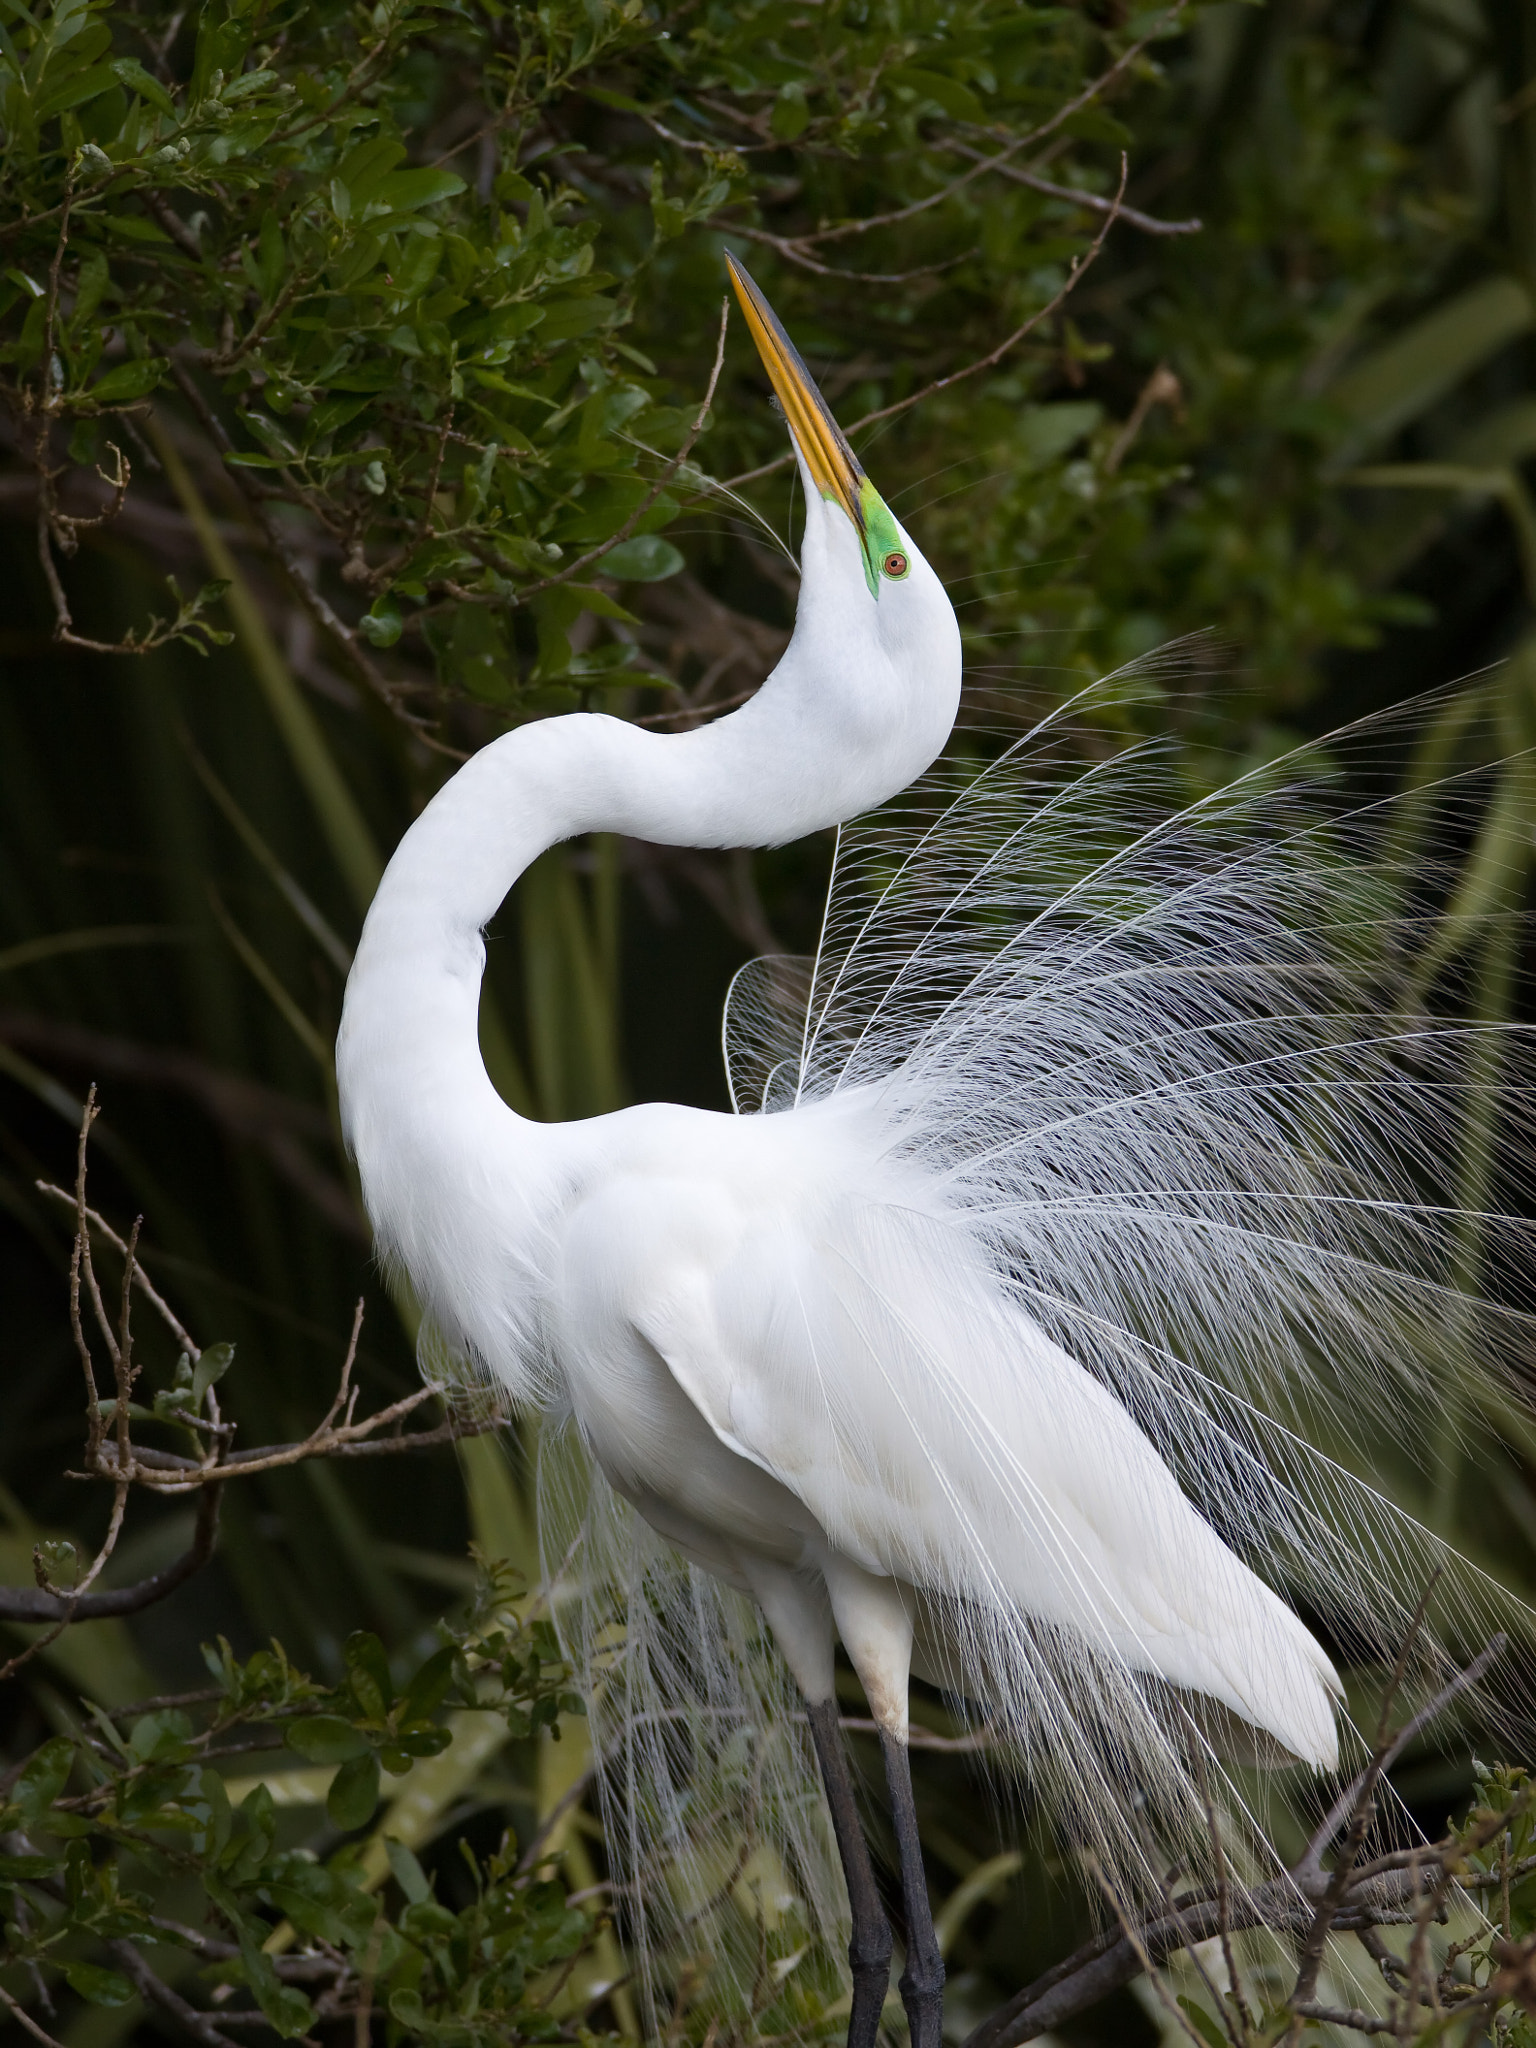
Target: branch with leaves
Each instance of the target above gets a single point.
(189, 1407)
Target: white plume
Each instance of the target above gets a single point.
(1161, 1068)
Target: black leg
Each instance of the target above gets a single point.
(870, 1949)
(922, 1981)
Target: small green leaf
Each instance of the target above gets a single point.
(271, 255)
(1204, 2025)
(211, 1367)
(325, 1739)
(368, 1673)
(404, 191)
(44, 1778)
(380, 625)
(409, 1874)
(60, 1560)
(790, 115)
(129, 381)
(429, 1687)
(646, 558)
(354, 1792)
(159, 1736)
(130, 72)
(101, 1987)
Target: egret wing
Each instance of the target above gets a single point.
(865, 1356)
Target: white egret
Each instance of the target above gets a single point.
(984, 1346)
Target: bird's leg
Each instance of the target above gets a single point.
(869, 1950)
(874, 1621)
(797, 1612)
(922, 1981)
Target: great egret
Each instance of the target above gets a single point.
(966, 1353)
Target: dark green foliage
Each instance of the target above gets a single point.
(132, 1806)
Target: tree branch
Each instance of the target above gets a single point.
(26, 1604)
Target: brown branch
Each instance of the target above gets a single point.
(789, 248)
(1080, 267)
(1345, 2016)
(141, 1279)
(199, 2024)
(23, 1604)
(1148, 223)
(27, 2021)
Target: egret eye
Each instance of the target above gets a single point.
(895, 563)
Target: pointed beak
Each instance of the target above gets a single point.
(833, 465)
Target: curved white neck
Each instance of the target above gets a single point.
(858, 706)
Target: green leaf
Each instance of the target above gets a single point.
(60, 1560)
(409, 1874)
(271, 255)
(160, 1736)
(101, 1987)
(326, 1739)
(404, 191)
(211, 1367)
(429, 1687)
(76, 91)
(645, 558)
(380, 625)
(1420, 364)
(129, 381)
(368, 1673)
(130, 72)
(354, 1792)
(44, 1777)
(1204, 2025)
(791, 115)
(945, 92)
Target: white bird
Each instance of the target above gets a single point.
(908, 1359)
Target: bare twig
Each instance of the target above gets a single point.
(1345, 2016)
(25, 2019)
(1019, 174)
(141, 1279)
(199, 2024)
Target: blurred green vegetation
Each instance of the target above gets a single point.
(400, 318)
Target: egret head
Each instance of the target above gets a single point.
(865, 586)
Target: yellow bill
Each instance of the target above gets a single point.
(832, 463)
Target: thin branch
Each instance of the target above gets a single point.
(141, 1279)
(1080, 267)
(1165, 1998)
(199, 2024)
(27, 2021)
(24, 1604)
(1345, 2016)
(789, 247)
(1148, 223)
